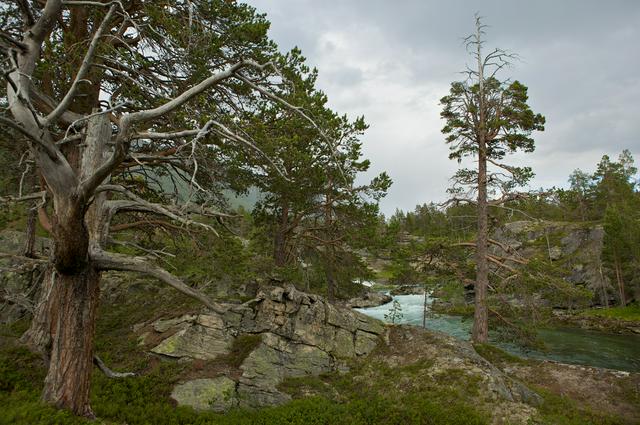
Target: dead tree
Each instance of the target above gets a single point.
(486, 118)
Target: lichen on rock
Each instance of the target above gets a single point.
(217, 394)
(302, 335)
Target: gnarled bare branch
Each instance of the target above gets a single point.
(136, 203)
(82, 72)
(50, 150)
(111, 261)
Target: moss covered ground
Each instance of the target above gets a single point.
(629, 313)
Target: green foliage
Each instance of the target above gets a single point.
(547, 280)
(12, 216)
(242, 346)
(407, 395)
(395, 312)
(613, 192)
(451, 291)
(430, 221)
(18, 367)
(144, 400)
(509, 122)
(311, 208)
(402, 270)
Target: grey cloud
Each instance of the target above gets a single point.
(392, 61)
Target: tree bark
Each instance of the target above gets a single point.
(280, 239)
(623, 298)
(38, 337)
(71, 362)
(63, 326)
(30, 240)
(480, 331)
(329, 274)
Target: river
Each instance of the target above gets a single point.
(567, 345)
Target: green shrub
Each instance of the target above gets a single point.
(630, 312)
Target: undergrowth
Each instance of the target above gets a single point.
(630, 313)
(371, 393)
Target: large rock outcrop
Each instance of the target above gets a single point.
(300, 334)
(577, 247)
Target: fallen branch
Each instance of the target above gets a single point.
(108, 372)
(23, 258)
(30, 197)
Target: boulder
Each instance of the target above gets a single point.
(369, 299)
(217, 394)
(301, 335)
(204, 338)
(576, 246)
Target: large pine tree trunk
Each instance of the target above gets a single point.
(618, 268)
(71, 360)
(480, 333)
(63, 326)
(331, 281)
(38, 337)
(280, 239)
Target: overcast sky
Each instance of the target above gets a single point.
(392, 61)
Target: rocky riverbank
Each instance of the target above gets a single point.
(598, 323)
(297, 335)
(285, 344)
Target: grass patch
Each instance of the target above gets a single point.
(463, 310)
(409, 394)
(560, 410)
(629, 313)
(242, 346)
(384, 275)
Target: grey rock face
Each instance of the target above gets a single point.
(217, 394)
(577, 246)
(301, 335)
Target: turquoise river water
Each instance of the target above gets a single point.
(567, 345)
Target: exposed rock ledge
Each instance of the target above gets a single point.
(298, 335)
(301, 335)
